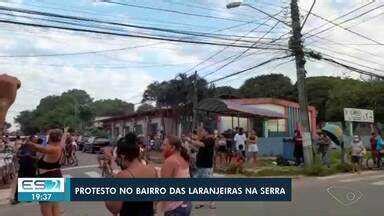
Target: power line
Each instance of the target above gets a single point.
(99, 66)
(241, 54)
(224, 48)
(225, 59)
(250, 68)
(152, 20)
(351, 68)
(175, 11)
(132, 35)
(346, 54)
(189, 5)
(346, 29)
(339, 17)
(199, 34)
(113, 50)
(352, 62)
(76, 53)
(272, 69)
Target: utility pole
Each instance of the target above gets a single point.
(296, 46)
(194, 101)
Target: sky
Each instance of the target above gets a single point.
(122, 67)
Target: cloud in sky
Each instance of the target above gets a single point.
(39, 78)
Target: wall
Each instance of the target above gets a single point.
(274, 146)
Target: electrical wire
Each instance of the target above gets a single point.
(349, 55)
(250, 68)
(224, 48)
(241, 54)
(72, 10)
(131, 35)
(351, 68)
(339, 17)
(346, 29)
(272, 69)
(77, 18)
(175, 11)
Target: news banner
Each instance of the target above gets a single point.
(191, 189)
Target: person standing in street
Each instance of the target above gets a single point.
(373, 142)
(205, 142)
(240, 139)
(128, 159)
(379, 149)
(176, 165)
(27, 163)
(357, 149)
(253, 149)
(48, 166)
(298, 151)
(324, 144)
(230, 146)
(221, 149)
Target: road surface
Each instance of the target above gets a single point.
(344, 194)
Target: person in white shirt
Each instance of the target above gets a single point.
(240, 139)
(357, 152)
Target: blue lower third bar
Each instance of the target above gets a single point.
(43, 196)
(192, 189)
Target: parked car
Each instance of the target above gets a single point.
(81, 143)
(94, 144)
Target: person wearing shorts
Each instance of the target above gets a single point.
(357, 149)
(253, 149)
(240, 139)
(221, 150)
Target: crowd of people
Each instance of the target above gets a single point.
(41, 156)
(192, 155)
(356, 149)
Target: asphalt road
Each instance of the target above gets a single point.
(346, 194)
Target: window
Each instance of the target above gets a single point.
(126, 130)
(139, 129)
(154, 128)
(276, 125)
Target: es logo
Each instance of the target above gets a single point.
(41, 184)
(344, 196)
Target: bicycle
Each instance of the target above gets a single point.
(69, 159)
(368, 162)
(9, 170)
(106, 170)
(380, 162)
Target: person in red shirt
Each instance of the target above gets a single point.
(373, 142)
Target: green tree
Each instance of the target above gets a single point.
(70, 109)
(272, 85)
(177, 91)
(318, 91)
(225, 91)
(26, 121)
(111, 107)
(347, 93)
(145, 107)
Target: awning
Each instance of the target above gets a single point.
(236, 108)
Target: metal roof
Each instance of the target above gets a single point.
(236, 107)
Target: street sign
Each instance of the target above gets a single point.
(358, 115)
